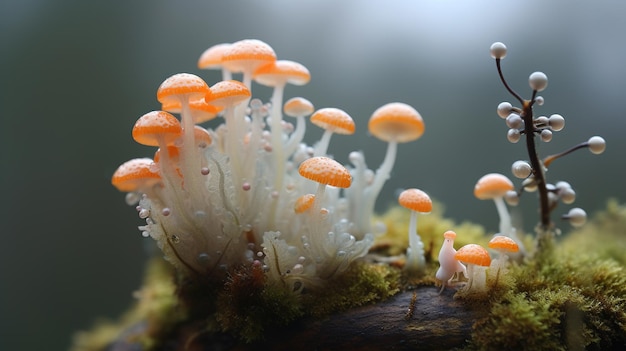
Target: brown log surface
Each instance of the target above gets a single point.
(438, 322)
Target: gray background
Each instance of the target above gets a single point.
(75, 75)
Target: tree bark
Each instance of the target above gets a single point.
(437, 322)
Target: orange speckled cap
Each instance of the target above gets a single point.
(247, 55)
(325, 170)
(397, 122)
(228, 93)
(134, 174)
(211, 58)
(298, 106)
(281, 72)
(303, 203)
(503, 243)
(416, 200)
(182, 86)
(473, 254)
(334, 119)
(492, 185)
(156, 128)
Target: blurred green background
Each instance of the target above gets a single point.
(75, 75)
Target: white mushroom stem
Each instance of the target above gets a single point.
(498, 264)
(190, 160)
(505, 222)
(322, 146)
(296, 137)
(382, 174)
(477, 278)
(415, 261)
(277, 136)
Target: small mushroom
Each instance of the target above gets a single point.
(303, 203)
(297, 107)
(494, 186)
(504, 246)
(417, 201)
(211, 58)
(246, 56)
(477, 260)
(324, 171)
(135, 175)
(333, 121)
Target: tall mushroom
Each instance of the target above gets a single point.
(394, 123)
(277, 74)
(246, 56)
(229, 94)
(417, 201)
(182, 88)
(494, 186)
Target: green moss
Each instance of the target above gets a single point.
(363, 283)
(604, 234)
(430, 228)
(247, 306)
(574, 298)
(157, 306)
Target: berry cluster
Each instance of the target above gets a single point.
(522, 123)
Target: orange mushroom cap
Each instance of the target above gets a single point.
(473, 254)
(202, 136)
(211, 58)
(298, 106)
(181, 86)
(303, 203)
(416, 200)
(503, 243)
(281, 72)
(155, 127)
(228, 93)
(492, 185)
(334, 119)
(134, 175)
(325, 170)
(396, 121)
(247, 55)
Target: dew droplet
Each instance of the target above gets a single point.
(132, 198)
(205, 170)
(245, 186)
(144, 213)
(203, 258)
(166, 211)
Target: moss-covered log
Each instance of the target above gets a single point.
(414, 319)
